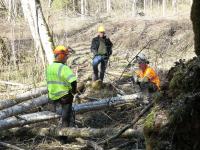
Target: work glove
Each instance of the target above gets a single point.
(135, 78)
(143, 80)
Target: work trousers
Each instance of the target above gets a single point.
(148, 86)
(102, 61)
(66, 104)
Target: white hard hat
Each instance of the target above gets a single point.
(142, 58)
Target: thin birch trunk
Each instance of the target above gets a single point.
(151, 6)
(164, 8)
(44, 33)
(174, 5)
(85, 7)
(49, 3)
(134, 8)
(13, 43)
(144, 5)
(82, 9)
(108, 6)
(39, 29)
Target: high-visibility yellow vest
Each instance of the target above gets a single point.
(59, 78)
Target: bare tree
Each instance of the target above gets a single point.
(5, 52)
(108, 6)
(191, 1)
(134, 8)
(82, 8)
(174, 5)
(75, 5)
(39, 29)
(151, 5)
(144, 6)
(49, 3)
(85, 7)
(164, 7)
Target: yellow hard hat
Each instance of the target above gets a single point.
(101, 29)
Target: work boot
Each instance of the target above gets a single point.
(95, 77)
(63, 139)
(101, 76)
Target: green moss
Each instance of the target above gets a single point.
(149, 121)
(148, 130)
(176, 81)
(97, 85)
(157, 97)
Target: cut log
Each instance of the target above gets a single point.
(106, 103)
(22, 97)
(80, 132)
(80, 108)
(27, 119)
(22, 107)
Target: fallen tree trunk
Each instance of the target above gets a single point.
(20, 108)
(79, 108)
(106, 103)
(22, 97)
(79, 132)
(27, 119)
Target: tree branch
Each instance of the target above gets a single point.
(128, 126)
(10, 146)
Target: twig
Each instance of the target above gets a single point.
(117, 89)
(11, 83)
(90, 143)
(122, 145)
(144, 47)
(107, 116)
(10, 146)
(128, 126)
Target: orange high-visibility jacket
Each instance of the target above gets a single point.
(150, 74)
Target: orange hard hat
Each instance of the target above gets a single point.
(60, 50)
(60, 53)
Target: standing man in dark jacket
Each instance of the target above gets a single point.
(102, 49)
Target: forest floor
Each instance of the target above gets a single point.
(166, 41)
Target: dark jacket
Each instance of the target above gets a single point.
(95, 45)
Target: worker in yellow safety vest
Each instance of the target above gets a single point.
(145, 76)
(61, 83)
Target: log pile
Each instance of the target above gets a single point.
(12, 111)
(18, 112)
